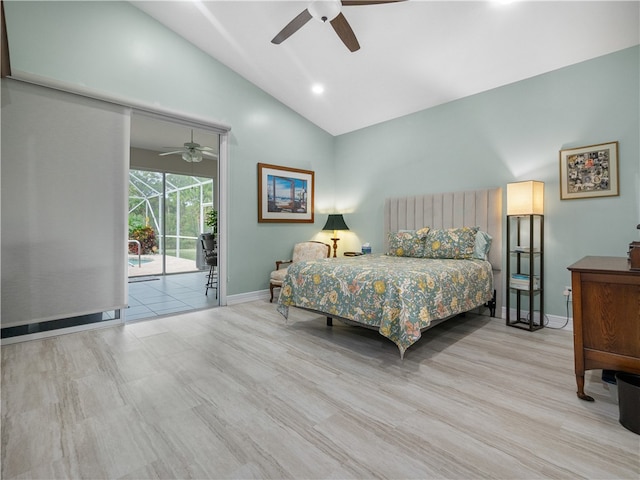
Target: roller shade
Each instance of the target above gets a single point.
(64, 184)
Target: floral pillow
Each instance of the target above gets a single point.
(407, 243)
(451, 243)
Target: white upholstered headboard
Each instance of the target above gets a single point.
(481, 208)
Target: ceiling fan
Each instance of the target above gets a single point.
(191, 152)
(324, 10)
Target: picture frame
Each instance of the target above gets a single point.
(591, 171)
(285, 195)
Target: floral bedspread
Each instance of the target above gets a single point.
(400, 295)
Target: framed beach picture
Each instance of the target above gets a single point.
(285, 194)
(590, 171)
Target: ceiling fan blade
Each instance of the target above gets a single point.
(292, 27)
(171, 153)
(204, 149)
(355, 3)
(209, 154)
(344, 31)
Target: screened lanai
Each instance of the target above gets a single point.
(167, 214)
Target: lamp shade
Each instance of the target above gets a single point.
(335, 222)
(525, 198)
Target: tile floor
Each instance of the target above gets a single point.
(237, 393)
(164, 295)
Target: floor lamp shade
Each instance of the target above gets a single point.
(525, 198)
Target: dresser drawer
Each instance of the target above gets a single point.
(611, 317)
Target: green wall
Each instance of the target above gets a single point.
(115, 48)
(508, 134)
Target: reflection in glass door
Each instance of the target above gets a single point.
(166, 218)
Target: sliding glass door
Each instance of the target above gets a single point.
(186, 200)
(166, 217)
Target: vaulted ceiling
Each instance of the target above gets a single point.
(414, 54)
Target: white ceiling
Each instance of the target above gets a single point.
(414, 55)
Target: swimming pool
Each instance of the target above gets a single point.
(133, 260)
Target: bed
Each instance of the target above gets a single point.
(425, 275)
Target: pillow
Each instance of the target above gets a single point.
(482, 246)
(451, 243)
(407, 243)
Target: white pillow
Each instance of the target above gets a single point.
(482, 246)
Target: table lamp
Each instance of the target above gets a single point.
(335, 222)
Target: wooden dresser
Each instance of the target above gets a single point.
(606, 316)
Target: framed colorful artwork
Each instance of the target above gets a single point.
(590, 171)
(285, 194)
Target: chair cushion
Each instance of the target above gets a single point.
(309, 251)
(301, 252)
(277, 276)
(211, 260)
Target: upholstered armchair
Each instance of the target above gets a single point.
(310, 250)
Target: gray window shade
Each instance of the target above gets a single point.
(64, 190)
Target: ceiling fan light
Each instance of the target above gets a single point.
(192, 155)
(325, 10)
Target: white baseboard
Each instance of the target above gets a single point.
(248, 297)
(563, 323)
(551, 321)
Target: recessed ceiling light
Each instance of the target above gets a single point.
(318, 89)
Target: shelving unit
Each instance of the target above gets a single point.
(525, 271)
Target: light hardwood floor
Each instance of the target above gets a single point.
(233, 392)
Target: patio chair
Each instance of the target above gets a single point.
(210, 259)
